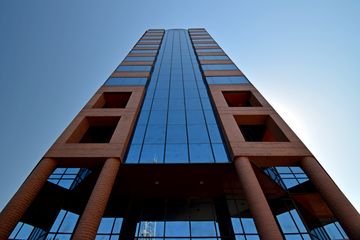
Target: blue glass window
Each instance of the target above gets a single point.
(68, 178)
(143, 51)
(223, 57)
(219, 67)
(292, 225)
(26, 231)
(176, 153)
(227, 80)
(203, 229)
(219, 153)
(151, 36)
(125, 81)
(287, 177)
(133, 68)
(198, 33)
(63, 226)
(201, 40)
(146, 229)
(178, 219)
(146, 46)
(198, 134)
(209, 50)
(155, 134)
(177, 229)
(242, 223)
(176, 115)
(329, 231)
(152, 153)
(201, 153)
(140, 59)
(205, 44)
(109, 228)
(176, 133)
(148, 40)
(244, 228)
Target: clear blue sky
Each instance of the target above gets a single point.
(304, 57)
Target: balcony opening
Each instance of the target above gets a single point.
(260, 128)
(240, 99)
(113, 100)
(95, 130)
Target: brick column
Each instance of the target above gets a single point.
(17, 206)
(259, 208)
(94, 210)
(343, 210)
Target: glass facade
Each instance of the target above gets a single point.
(63, 226)
(227, 80)
(209, 50)
(214, 57)
(329, 231)
(134, 68)
(68, 178)
(145, 59)
(206, 67)
(109, 228)
(292, 225)
(192, 219)
(143, 51)
(26, 231)
(123, 81)
(177, 122)
(287, 177)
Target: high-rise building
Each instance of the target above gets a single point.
(178, 144)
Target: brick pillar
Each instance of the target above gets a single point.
(94, 210)
(343, 210)
(259, 208)
(19, 203)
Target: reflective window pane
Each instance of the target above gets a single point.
(140, 59)
(176, 134)
(219, 67)
(177, 101)
(155, 134)
(177, 229)
(24, 232)
(249, 225)
(69, 222)
(176, 153)
(200, 153)
(224, 57)
(227, 80)
(203, 229)
(198, 134)
(152, 153)
(125, 81)
(150, 229)
(106, 225)
(134, 68)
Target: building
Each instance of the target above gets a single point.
(178, 144)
